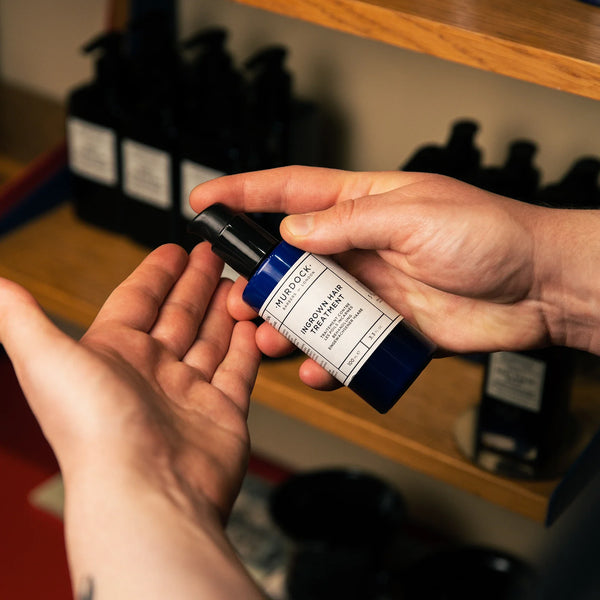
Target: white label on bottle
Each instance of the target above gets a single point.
(329, 315)
(147, 174)
(516, 379)
(193, 174)
(92, 151)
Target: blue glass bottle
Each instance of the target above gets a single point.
(322, 309)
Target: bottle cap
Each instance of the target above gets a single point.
(237, 239)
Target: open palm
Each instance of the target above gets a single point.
(161, 380)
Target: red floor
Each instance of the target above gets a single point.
(33, 563)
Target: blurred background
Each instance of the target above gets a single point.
(376, 105)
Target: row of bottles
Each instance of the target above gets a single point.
(159, 118)
(518, 177)
(522, 424)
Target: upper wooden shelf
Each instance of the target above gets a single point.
(71, 267)
(553, 43)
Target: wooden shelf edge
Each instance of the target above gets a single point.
(70, 267)
(342, 414)
(470, 38)
(54, 302)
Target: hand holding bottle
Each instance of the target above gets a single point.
(472, 270)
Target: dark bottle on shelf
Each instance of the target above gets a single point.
(150, 140)
(269, 95)
(94, 117)
(518, 177)
(212, 141)
(285, 126)
(269, 90)
(577, 189)
(523, 420)
(281, 128)
(459, 157)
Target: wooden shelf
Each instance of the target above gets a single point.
(553, 43)
(71, 267)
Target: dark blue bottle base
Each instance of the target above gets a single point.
(390, 370)
(393, 367)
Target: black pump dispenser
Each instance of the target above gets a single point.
(150, 142)
(211, 137)
(212, 47)
(214, 106)
(108, 68)
(214, 87)
(212, 65)
(270, 114)
(518, 177)
(577, 189)
(270, 91)
(458, 158)
(271, 79)
(235, 238)
(95, 115)
(462, 157)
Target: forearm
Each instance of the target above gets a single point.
(129, 539)
(568, 269)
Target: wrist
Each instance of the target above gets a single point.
(568, 271)
(137, 537)
(98, 472)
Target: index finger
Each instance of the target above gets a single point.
(294, 189)
(136, 301)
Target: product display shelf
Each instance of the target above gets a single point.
(71, 267)
(553, 43)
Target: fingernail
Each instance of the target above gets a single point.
(299, 225)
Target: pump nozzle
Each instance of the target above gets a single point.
(213, 38)
(109, 47)
(272, 57)
(238, 240)
(110, 41)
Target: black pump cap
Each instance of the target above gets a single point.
(237, 239)
(213, 38)
(108, 47)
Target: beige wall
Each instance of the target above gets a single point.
(388, 100)
(40, 42)
(383, 102)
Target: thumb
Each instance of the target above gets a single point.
(363, 223)
(28, 336)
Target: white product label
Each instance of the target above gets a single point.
(147, 174)
(92, 151)
(329, 315)
(516, 379)
(193, 174)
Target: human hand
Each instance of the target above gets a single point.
(146, 414)
(461, 264)
(155, 378)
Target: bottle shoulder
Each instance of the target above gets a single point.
(270, 272)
